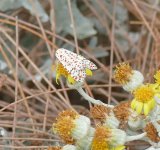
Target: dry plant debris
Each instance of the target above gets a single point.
(31, 32)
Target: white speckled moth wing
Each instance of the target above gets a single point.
(74, 64)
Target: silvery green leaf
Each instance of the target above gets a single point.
(120, 11)
(37, 9)
(99, 27)
(3, 65)
(135, 36)
(93, 42)
(10, 4)
(99, 9)
(4, 134)
(15, 4)
(29, 41)
(46, 68)
(121, 14)
(99, 52)
(122, 42)
(84, 28)
(121, 18)
(69, 47)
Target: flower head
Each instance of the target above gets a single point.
(143, 101)
(106, 138)
(123, 73)
(152, 133)
(100, 112)
(122, 113)
(68, 113)
(130, 79)
(71, 126)
(72, 66)
(105, 115)
(101, 138)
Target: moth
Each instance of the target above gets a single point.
(76, 65)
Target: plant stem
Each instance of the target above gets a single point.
(79, 88)
(135, 137)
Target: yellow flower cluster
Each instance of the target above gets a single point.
(100, 138)
(143, 99)
(143, 94)
(61, 71)
(65, 125)
(123, 73)
(112, 122)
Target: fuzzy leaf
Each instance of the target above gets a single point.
(15, 4)
(84, 28)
